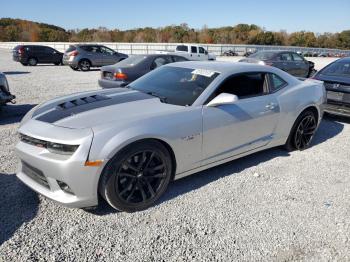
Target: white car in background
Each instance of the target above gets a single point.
(191, 52)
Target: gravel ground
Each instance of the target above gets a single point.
(271, 206)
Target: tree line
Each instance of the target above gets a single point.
(18, 30)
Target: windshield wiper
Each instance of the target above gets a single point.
(162, 99)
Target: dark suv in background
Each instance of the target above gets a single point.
(288, 61)
(36, 54)
(85, 56)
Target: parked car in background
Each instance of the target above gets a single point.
(230, 53)
(194, 52)
(287, 61)
(85, 56)
(127, 144)
(36, 54)
(5, 95)
(336, 77)
(133, 67)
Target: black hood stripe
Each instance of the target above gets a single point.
(59, 113)
(49, 106)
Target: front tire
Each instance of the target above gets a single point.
(84, 65)
(137, 176)
(302, 131)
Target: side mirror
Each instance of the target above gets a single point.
(223, 99)
(206, 52)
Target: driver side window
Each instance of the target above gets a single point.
(107, 51)
(245, 85)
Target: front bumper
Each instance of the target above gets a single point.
(104, 83)
(338, 109)
(47, 170)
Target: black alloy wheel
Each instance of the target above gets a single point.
(137, 176)
(302, 131)
(305, 131)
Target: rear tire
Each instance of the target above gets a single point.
(302, 131)
(32, 61)
(84, 65)
(137, 176)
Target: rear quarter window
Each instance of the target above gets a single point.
(276, 83)
(183, 48)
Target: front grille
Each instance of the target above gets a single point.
(35, 174)
(335, 86)
(32, 141)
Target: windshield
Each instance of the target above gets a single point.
(175, 85)
(263, 55)
(337, 69)
(131, 60)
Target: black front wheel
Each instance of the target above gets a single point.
(302, 132)
(137, 176)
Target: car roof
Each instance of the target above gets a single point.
(222, 67)
(344, 59)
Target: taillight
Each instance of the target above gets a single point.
(120, 76)
(74, 53)
(21, 50)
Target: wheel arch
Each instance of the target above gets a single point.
(140, 140)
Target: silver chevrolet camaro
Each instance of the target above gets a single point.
(127, 144)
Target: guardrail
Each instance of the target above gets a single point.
(148, 48)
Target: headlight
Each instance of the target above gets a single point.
(56, 148)
(61, 149)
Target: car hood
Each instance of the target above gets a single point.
(333, 79)
(91, 109)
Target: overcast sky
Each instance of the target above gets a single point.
(311, 15)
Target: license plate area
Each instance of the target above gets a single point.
(335, 96)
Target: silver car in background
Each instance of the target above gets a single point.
(84, 56)
(127, 144)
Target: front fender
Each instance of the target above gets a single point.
(182, 133)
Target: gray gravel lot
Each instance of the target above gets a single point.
(271, 206)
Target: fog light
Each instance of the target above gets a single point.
(65, 187)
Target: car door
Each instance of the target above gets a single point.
(286, 63)
(94, 54)
(302, 66)
(109, 57)
(247, 124)
(39, 53)
(50, 55)
(202, 54)
(194, 53)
